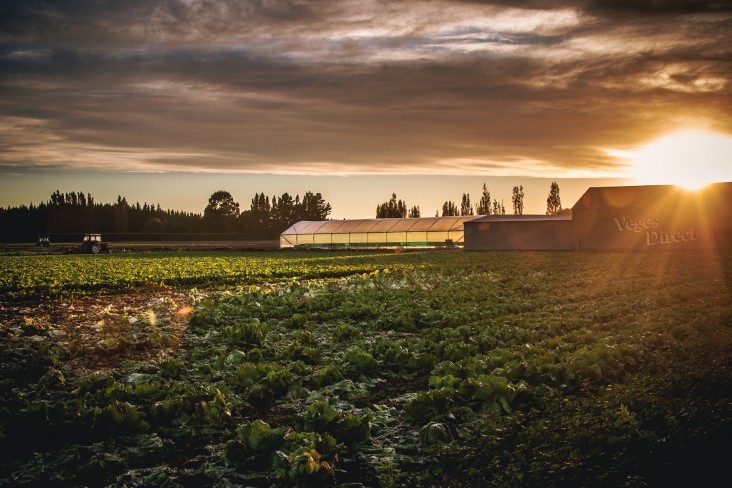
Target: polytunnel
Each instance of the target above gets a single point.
(365, 233)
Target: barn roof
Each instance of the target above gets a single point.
(523, 218)
(645, 195)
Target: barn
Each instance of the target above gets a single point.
(519, 232)
(653, 217)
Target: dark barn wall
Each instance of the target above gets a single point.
(643, 218)
(638, 229)
(653, 218)
(519, 235)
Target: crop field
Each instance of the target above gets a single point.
(365, 369)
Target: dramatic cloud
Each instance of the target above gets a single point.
(352, 87)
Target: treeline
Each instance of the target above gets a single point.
(265, 217)
(395, 208)
(78, 212)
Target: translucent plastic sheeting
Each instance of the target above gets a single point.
(419, 232)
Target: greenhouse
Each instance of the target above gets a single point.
(365, 233)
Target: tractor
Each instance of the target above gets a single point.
(43, 242)
(93, 244)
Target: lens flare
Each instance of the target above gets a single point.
(185, 311)
(690, 159)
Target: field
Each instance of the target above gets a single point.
(365, 369)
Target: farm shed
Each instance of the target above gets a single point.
(364, 233)
(652, 217)
(528, 232)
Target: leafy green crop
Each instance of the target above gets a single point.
(440, 369)
(30, 276)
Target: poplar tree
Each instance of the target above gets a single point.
(518, 200)
(449, 209)
(553, 201)
(484, 206)
(498, 207)
(466, 208)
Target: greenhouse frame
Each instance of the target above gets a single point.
(368, 233)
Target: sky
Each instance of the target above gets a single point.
(167, 101)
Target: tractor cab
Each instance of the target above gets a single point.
(93, 244)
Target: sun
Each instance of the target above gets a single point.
(691, 159)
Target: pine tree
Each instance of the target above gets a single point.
(314, 207)
(219, 215)
(392, 209)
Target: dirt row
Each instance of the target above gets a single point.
(96, 332)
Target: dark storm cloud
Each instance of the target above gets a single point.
(650, 7)
(146, 20)
(341, 86)
(659, 7)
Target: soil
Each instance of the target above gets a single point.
(97, 332)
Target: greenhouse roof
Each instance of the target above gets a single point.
(426, 224)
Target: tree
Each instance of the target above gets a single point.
(553, 201)
(221, 212)
(449, 209)
(154, 225)
(257, 219)
(484, 206)
(498, 207)
(414, 212)
(283, 212)
(260, 203)
(466, 208)
(221, 203)
(518, 200)
(313, 207)
(392, 209)
(71, 212)
(121, 215)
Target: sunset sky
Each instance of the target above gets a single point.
(167, 101)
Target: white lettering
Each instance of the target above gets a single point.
(636, 225)
(620, 223)
(654, 237)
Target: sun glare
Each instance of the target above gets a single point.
(690, 159)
